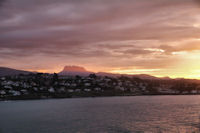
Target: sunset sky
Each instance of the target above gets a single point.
(157, 37)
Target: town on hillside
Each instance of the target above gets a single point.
(41, 85)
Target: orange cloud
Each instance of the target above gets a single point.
(101, 35)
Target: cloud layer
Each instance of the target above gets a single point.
(100, 34)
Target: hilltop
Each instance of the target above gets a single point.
(4, 71)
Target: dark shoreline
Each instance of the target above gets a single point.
(74, 97)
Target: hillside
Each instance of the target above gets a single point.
(4, 71)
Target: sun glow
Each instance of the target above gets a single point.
(134, 71)
(196, 25)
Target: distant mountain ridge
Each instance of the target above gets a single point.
(4, 71)
(77, 70)
(74, 68)
(141, 76)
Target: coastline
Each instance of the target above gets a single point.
(103, 96)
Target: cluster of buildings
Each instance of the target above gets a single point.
(52, 85)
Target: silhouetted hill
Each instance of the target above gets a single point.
(4, 71)
(141, 76)
(81, 71)
(107, 74)
(144, 76)
(75, 70)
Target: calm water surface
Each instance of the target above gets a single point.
(140, 114)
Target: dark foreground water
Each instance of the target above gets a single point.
(102, 115)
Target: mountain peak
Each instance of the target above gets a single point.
(74, 69)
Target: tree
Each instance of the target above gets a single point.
(55, 77)
(93, 76)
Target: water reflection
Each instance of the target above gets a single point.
(148, 114)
